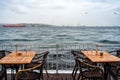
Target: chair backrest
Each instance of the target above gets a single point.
(45, 54)
(41, 56)
(118, 53)
(118, 72)
(41, 65)
(80, 63)
(2, 53)
(2, 69)
(77, 53)
(73, 52)
(2, 73)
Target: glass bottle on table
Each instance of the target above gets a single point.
(26, 52)
(16, 46)
(96, 49)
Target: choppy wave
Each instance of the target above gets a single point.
(62, 35)
(109, 42)
(3, 40)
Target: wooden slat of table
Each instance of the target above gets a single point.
(24, 53)
(95, 57)
(13, 58)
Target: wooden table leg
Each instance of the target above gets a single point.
(105, 71)
(5, 73)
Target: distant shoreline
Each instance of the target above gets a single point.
(42, 25)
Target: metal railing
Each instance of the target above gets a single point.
(60, 57)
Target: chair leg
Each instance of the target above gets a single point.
(73, 71)
(79, 77)
(17, 68)
(12, 74)
(46, 71)
(5, 74)
(41, 74)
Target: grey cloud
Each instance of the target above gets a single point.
(58, 7)
(4, 4)
(17, 11)
(66, 11)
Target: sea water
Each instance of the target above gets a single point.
(60, 35)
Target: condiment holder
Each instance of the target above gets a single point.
(18, 54)
(97, 49)
(101, 54)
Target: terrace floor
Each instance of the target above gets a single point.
(60, 76)
(53, 77)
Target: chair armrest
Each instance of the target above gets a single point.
(40, 55)
(37, 57)
(118, 70)
(94, 67)
(37, 61)
(26, 71)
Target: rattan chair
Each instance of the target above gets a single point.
(2, 72)
(88, 71)
(31, 73)
(75, 69)
(114, 65)
(80, 55)
(39, 58)
(115, 73)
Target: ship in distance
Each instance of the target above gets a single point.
(13, 25)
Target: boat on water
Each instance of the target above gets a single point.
(14, 25)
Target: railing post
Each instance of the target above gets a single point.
(57, 58)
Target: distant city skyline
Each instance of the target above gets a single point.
(61, 12)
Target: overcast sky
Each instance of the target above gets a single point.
(61, 12)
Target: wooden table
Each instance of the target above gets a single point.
(13, 58)
(19, 58)
(95, 57)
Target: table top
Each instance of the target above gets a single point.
(94, 56)
(21, 57)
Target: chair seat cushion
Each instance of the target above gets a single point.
(113, 73)
(29, 76)
(31, 65)
(91, 74)
(11, 66)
